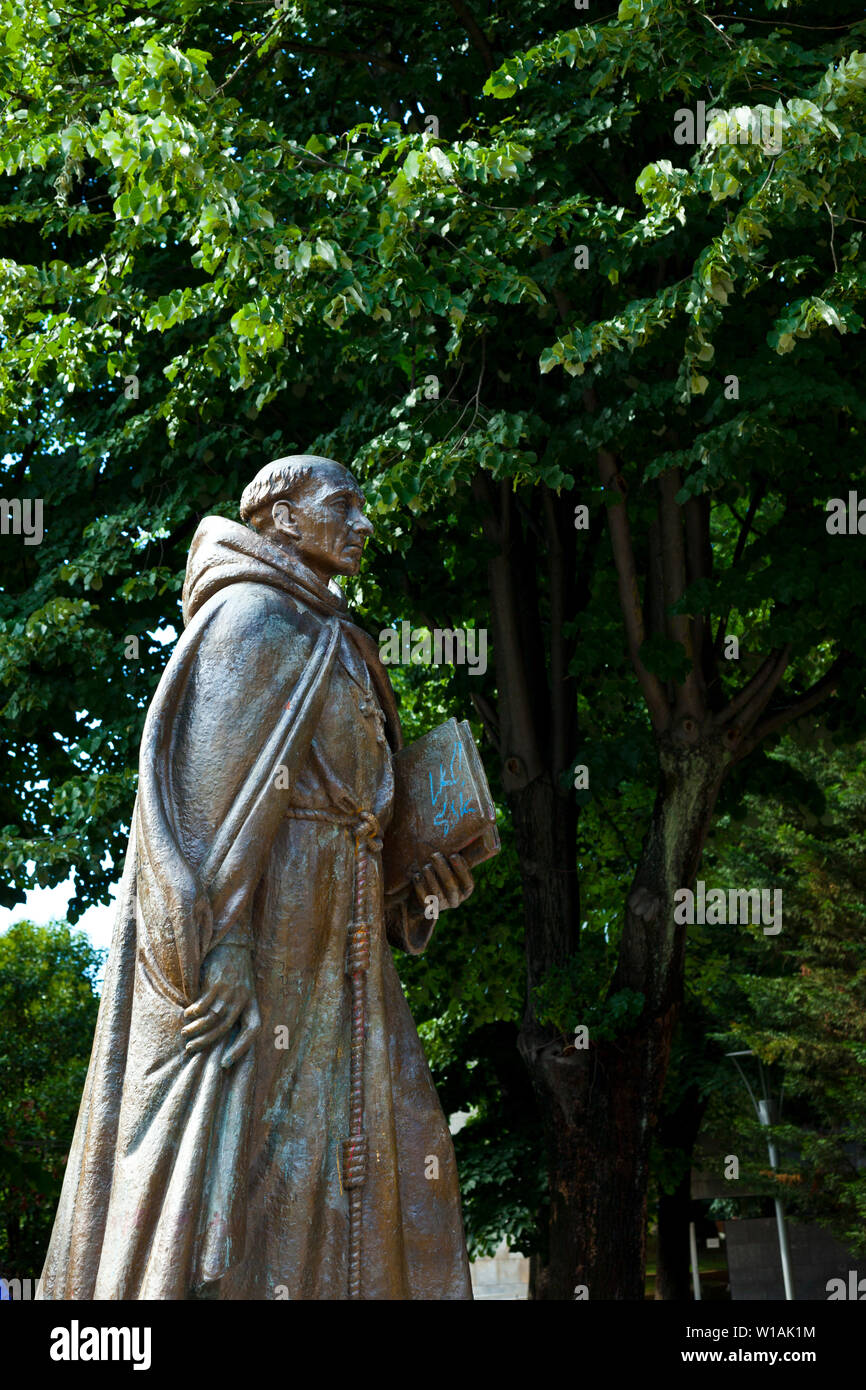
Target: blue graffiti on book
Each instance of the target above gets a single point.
(450, 800)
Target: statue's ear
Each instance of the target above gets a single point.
(283, 515)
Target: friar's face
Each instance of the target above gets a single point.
(325, 523)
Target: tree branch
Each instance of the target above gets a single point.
(800, 705)
(345, 55)
(475, 33)
(290, 45)
(629, 597)
(255, 52)
(488, 718)
(654, 591)
(485, 493)
(699, 565)
(515, 681)
(755, 501)
(755, 694)
(630, 853)
(560, 298)
(563, 695)
(689, 698)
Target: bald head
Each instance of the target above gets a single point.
(314, 508)
(283, 480)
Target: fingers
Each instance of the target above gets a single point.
(421, 890)
(449, 887)
(464, 877)
(431, 884)
(200, 1026)
(201, 1005)
(252, 1022)
(426, 884)
(449, 880)
(215, 1032)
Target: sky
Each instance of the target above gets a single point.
(43, 905)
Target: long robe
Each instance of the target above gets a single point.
(186, 1179)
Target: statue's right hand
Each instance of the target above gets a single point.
(228, 994)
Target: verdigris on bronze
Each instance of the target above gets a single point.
(258, 1119)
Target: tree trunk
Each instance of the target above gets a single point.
(672, 1255)
(599, 1106)
(537, 718)
(545, 834)
(678, 1130)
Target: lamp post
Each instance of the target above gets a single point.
(763, 1109)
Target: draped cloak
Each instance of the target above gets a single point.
(186, 1179)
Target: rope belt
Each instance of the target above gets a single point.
(354, 1149)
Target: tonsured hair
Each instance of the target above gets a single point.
(279, 482)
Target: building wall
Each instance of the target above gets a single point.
(755, 1266)
(501, 1276)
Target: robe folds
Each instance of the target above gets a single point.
(270, 733)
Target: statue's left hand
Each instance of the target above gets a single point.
(228, 994)
(449, 880)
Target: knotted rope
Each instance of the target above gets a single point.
(354, 1149)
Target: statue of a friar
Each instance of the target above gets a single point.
(258, 1120)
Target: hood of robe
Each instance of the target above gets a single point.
(225, 552)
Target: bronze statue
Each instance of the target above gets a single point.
(258, 1119)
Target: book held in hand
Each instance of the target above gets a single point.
(442, 804)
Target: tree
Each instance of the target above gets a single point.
(377, 234)
(48, 1003)
(684, 573)
(792, 997)
(466, 996)
(797, 999)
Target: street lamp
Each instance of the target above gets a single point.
(763, 1109)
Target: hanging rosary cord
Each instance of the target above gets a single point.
(367, 841)
(357, 965)
(355, 1148)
